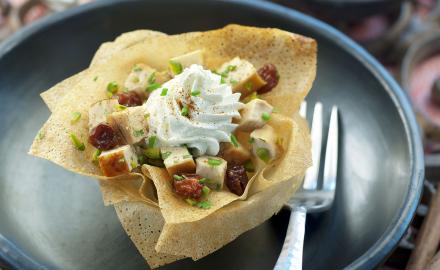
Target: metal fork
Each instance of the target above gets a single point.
(312, 197)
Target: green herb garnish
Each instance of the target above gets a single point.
(112, 88)
(152, 78)
(204, 205)
(265, 116)
(234, 140)
(151, 87)
(251, 140)
(164, 92)
(231, 68)
(195, 93)
(203, 180)
(96, 155)
(152, 141)
(94, 79)
(190, 201)
(146, 116)
(77, 143)
(248, 86)
(134, 164)
(250, 97)
(222, 80)
(175, 67)
(137, 69)
(185, 111)
(233, 82)
(138, 133)
(205, 191)
(165, 155)
(178, 177)
(41, 135)
(120, 107)
(214, 162)
(263, 154)
(152, 152)
(249, 166)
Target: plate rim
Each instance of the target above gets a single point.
(16, 258)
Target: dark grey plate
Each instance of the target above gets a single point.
(56, 219)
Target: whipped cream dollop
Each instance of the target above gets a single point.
(194, 108)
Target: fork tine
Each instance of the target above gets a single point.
(311, 177)
(331, 154)
(303, 109)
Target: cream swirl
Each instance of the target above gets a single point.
(210, 107)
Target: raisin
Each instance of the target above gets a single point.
(236, 179)
(129, 99)
(103, 137)
(269, 73)
(188, 188)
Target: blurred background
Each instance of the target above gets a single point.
(403, 35)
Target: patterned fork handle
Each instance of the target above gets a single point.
(292, 252)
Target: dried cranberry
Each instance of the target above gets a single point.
(269, 73)
(129, 99)
(188, 188)
(103, 137)
(236, 179)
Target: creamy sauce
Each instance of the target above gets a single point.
(210, 108)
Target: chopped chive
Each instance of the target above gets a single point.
(204, 205)
(265, 116)
(195, 93)
(214, 162)
(152, 87)
(152, 78)
(94, 79)
(165, 155)
(138, 133)
(178, 177)
(142, 159)
(77, 143)
(137, 69)
(112, 88)
(152, 152)
(152, 141)
(206, 190)
(135, 79)
(233, 82)
(164, 92)
(250, 97)
(231, 68)
(234, 140)
(185, 111)
(222, 80)
(120, 107)
(96, 155)
(190, 201)
(175, 67)
(263, 154)
(75, 117)
(251, 140)
(248, 86)
(147, 115)
(133, 164)
(203, 180)
(40, 135)
(249, 166)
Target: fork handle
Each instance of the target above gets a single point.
(292, 252)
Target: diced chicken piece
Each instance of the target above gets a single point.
(242, 76)
(131, 123)
(264, 144)
(235, 154)
(98, 112)
(177, 160)
(254, 114)
(143, 76)
(118, 161)
(213, 169)
(178, 63)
